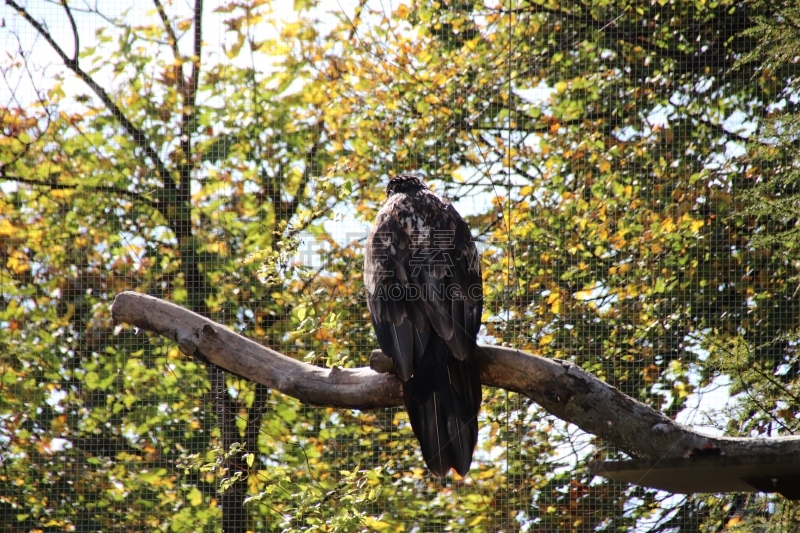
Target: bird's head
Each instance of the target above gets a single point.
(404, 183)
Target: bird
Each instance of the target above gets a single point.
(424, 292)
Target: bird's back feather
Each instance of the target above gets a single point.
(424, 294)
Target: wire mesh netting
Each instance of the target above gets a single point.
(628, 171)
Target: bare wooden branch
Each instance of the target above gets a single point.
(354, 388)
(561, 388)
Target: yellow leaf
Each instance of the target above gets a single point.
(402, 11)
(7, 228)
(63, 194)
(195, 497)
(733, 521)
(489, 473)
(18, 262)
(477, 520)
(555, 302)
(376, 524)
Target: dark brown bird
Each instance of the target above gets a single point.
(424, 293)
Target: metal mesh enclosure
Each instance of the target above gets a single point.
(628, 170)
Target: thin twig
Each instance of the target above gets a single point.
(75, 38)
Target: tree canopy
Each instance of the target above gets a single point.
(629, 170)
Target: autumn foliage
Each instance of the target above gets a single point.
(629, 169)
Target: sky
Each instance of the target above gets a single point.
(17, 35)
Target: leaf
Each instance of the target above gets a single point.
(195, 497)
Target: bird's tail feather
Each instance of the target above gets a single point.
(443, 399)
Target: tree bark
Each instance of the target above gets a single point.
(560, 387)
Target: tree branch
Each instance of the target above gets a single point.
(288, 209)
(75, 37)
(561, 388)
(63, 186)
(138, 137)
(173, 43)
(353, 388)
(173, 39)
(198, 50)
